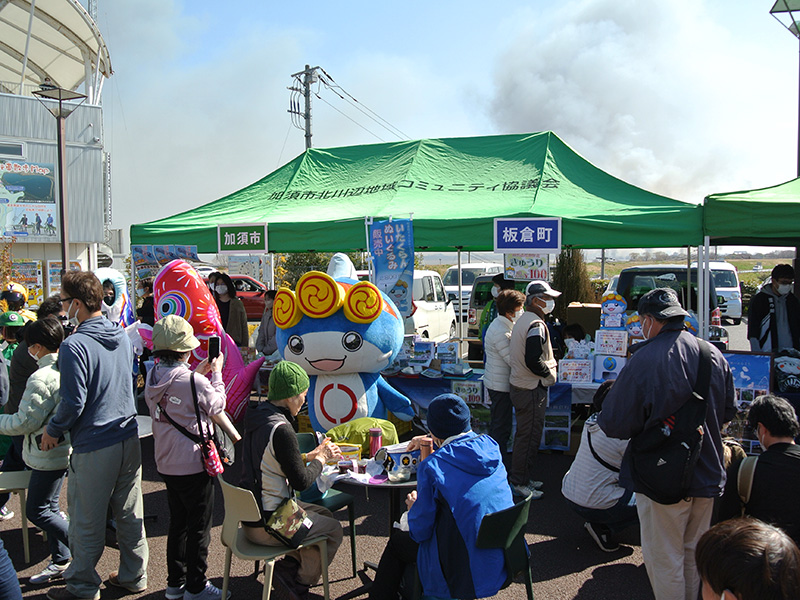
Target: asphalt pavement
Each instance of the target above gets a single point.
(565, 561)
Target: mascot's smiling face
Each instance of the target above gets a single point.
(332, 327)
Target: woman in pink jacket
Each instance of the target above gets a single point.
(190, 490)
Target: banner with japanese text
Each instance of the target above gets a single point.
(242, 238)
(391, 244)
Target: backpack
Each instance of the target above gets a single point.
(744, 480)
(663, 457)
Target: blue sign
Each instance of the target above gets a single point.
(391, 244)
(527, 235)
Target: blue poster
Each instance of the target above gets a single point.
(391, 244)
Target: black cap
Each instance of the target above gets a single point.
(505, 284)
(661, 303)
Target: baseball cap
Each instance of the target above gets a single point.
(661, 303)
(11, 319)
(538, 287)
(174, 333)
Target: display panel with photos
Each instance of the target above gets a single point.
(751, 379)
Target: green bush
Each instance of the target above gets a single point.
(572, 280)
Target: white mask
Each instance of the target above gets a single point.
(646, 334)
(518, 314)
(549, 305)
(32, 355)
(784, 289)
(73, 320)
(222, 289)
(495, 292)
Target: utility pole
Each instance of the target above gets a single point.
(309, 75)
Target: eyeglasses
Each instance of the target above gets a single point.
(66, 300)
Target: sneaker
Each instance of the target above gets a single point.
(6, 514)
(62, 593)
(602, 536)
(210, 592)
(535, 485)
(113, 579)
(50, 572)
(524, 491)
(174, 592)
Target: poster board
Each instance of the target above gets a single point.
(28, 272)
(751, 378)
(526, 267)
(557, 423)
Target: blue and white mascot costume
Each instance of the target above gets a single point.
(121, 309)
(343, 333)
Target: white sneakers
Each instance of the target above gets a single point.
(51, 571)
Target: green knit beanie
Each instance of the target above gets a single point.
(287, 379)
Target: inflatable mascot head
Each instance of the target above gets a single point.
(180, 290)
(343, 333)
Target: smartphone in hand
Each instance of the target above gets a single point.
(213, 347)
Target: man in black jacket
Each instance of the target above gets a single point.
(773, 321)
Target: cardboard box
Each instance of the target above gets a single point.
(585, 314)
(607, 367)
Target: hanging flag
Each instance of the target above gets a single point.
(391, 244)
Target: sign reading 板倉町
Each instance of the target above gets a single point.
(242, 238)
(527, 235)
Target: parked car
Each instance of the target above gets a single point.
(251, 292)
(480, 295)
(635, 282)
(469, 271)
(432, 314)
(612, 285)
(729, 294)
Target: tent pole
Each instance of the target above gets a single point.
(460, 318)
(701, 314)
(707, 285)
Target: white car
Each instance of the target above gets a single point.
(469, 272)
(729, 294)
(432, 315)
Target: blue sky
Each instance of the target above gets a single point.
(681, 97)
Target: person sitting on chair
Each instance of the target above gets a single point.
(457, 485)
(273, 468)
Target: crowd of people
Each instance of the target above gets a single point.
(84, 425)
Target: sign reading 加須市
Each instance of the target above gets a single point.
(242, 238)
(530, 235)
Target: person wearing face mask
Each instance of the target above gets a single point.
(498, 364)
(776, 480)
(533, 370)
(98, 409)
(489, 314)
(231, 310)
(658, 379)
(266, 342)
(36, 407)
(773, 319)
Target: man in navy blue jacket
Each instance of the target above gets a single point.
(657, 380)
(97, 408)
(466, 475)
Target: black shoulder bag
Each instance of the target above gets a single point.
(663, 457)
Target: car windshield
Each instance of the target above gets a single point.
(724, 278)
(467, 278)
(633, 285)
(482, 292)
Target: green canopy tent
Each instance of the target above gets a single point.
(763, 217)
(453, 188)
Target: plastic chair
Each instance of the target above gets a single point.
(506, 529)
(333, 500)
(240, 505)
(16, 482)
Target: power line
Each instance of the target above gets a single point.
(348, 117)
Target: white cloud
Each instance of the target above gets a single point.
(658, 94)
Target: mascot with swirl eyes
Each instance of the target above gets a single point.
(343, 333)
(180, 290)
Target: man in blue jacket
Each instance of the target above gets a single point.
(463, 480)
(97, 408)
(657, 380)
